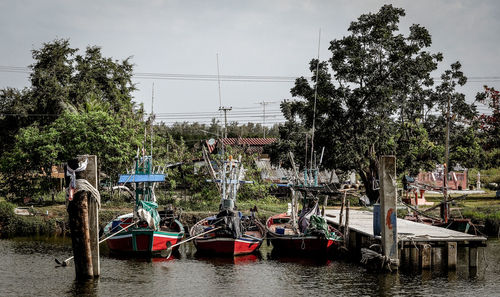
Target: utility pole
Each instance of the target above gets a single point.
(264, 103)
(225, 110)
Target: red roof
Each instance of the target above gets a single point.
(250, 142)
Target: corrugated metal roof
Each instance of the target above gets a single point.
(251, 142)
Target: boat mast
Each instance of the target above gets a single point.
(313, 165)
(152, 117)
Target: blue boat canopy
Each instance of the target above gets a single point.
(141, 178)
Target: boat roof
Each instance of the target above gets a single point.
(140, 178)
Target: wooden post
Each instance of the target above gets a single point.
(84, 233)
(437, 257)
(425, 255)
(90, 174)
(404, 259)
(353, 240)
(414, 259)
(342, 210)
(473, 257)
(452, 255)
(388, 224)
(346, 227)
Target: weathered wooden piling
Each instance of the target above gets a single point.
(388, 215)
(346, 227)
(425, 256)
(452, 252)
(83, 217)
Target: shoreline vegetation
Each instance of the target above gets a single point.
(49, 217)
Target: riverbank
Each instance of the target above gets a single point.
(50, 218)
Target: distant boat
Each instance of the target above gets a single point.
(234, 233)
(153, 229)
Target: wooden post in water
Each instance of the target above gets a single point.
(414, 258)
(473, 257)
(452, 255)
(83, 220)
(426, 251)
(342, 210)
(388, 223)
(346, 227)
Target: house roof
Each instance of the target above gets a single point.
(250, 142)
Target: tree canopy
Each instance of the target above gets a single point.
(76, 104)
(375, 97)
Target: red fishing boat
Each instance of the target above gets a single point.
(306, 233)
(145, 230)
(231, 239)
(233, 233)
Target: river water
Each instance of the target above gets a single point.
(27, 268)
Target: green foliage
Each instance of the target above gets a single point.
(77, 104)
(491, 175)
(379, 104)
(14, 225)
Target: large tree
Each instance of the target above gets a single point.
(374, 101)
(76, 104)
(490, 125)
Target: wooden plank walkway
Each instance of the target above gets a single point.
(361, 221)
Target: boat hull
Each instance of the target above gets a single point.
(313, 245)
(143, 240)
(297, 243)
(227, 246)
(221, 244)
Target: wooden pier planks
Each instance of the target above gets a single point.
(362, 222)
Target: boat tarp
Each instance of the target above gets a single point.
(305, 216)
(230, 222)
(148, 212)
(317, 226)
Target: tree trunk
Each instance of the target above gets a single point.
(369, 177)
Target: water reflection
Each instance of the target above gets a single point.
(28, 269)
(84, 288)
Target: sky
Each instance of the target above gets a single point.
(263, 44)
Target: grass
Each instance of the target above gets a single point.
(482, 209)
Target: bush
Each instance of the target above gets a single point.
(491, 175)
(14, 225)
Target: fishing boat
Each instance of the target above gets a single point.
(146, 230)
(233, 233)
(307, 232)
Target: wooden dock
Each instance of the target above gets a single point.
(419, 244)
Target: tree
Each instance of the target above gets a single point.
(376, 106)
(76, 104)
(490, 125)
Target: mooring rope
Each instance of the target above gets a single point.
(84, 185)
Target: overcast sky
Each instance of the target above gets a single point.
(252, 38)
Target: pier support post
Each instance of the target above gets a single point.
(388, 223)
(83, 219)
(473, 257)
(414, 259)
(426, 252)
(437, 257)
(346, 227)
(452, 255)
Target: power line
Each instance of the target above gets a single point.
(234, 78)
